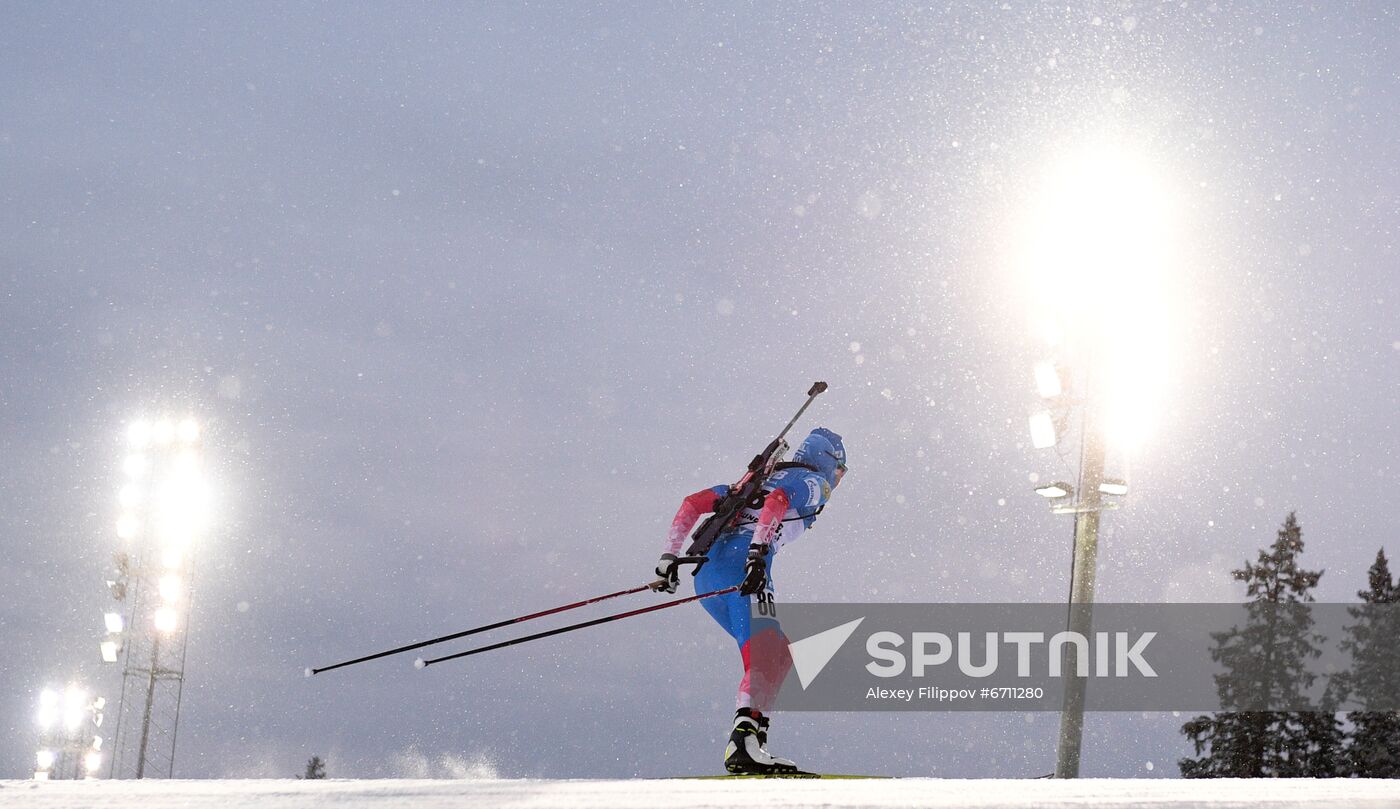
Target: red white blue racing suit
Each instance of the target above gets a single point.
(794, 496)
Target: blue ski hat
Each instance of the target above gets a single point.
(822, 449)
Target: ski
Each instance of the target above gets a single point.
(798, 774)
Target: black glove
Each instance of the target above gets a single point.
(756, 573)
(668, 574)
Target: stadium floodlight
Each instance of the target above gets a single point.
(128, 527)
(1042, 430)
(1099, 253)
(163, 432)
(183, 504)
(130, 496)
(48, 708)
(1055, 491)
(1113, 486)
(138, 434)
(166, 619)
(1047, 380)
(186, 464)
(188, 431)
(92, 762)
(164, 501)
(135, 465)
(46, 759)
(75, 707)
(169, 588)
(114, 622)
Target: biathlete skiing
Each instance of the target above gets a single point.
(785, 504)
(771, 505)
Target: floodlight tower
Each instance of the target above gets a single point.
(69, 746)
(1097, 251)
(164, 512)
(1085, 501)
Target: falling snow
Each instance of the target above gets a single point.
(469, 301)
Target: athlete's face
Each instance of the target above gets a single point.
(840, 472)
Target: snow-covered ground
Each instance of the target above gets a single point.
(679, 794)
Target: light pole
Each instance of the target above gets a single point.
(164, 501)
(1097, 251)
(1081, 596)
(68, 744)
(1084, 500)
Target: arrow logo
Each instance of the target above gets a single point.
(811, 654)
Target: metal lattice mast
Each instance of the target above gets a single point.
(69, 747)
(164, 510)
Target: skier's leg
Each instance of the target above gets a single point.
(767, 661)
(732, 611)
(717, 607)
(724, 569)
(743, 754)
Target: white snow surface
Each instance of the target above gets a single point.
(684, 793)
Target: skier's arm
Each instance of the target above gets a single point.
(692, 508)
(703, 501)
(775, 505)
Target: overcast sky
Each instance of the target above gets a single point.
(470, 296)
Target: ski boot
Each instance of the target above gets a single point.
(763, 738)
(745, 755)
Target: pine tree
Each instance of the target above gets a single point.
(1375, 653)
(315, 769)
(1265, 663)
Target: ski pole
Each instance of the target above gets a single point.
(421, 663)
(479, 629)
